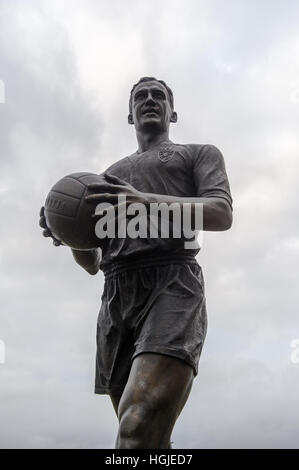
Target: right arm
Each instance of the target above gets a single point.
(87, 259)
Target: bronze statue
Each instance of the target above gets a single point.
(152, 322)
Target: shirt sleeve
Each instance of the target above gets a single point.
(209, 174)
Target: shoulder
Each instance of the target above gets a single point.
(120, 166)
(188, 150)
(122, 169)
(210, 153)
(200, 153)
(198, 148)
(206, 149)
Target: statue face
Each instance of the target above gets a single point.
(151, 107)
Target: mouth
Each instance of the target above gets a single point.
(151, 111)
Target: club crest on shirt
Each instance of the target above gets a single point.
(166, 153)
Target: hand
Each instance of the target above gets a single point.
(111, 188)
(46, 231)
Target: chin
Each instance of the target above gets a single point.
(151, 122)
(152, 125)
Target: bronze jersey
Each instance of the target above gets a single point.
(190, 170)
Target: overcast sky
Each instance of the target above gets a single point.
(68, 67)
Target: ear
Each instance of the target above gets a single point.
(130, 119)
(174, 117)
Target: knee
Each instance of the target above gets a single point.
(134, 422)
(144, 425)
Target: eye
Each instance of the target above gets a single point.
(159, 94)
(139, 96)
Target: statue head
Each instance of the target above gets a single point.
(150, 94)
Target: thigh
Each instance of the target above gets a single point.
(175, 323)
(115, 341)
(160, 385)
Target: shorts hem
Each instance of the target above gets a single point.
(107, 391)
(168, 352)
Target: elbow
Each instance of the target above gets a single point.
(226, 216)
(228, 219)
(92, 271)
(228, 222)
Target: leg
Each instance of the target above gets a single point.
(115, 399)
(115, 402)
(155, 394)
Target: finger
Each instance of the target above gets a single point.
(56, 242)
(42, 222)
(95, 198)
(47, 233)
(114, 179)
(108, 214)
(111, 212)
(42, 211)
(103, 187)
(96, 217)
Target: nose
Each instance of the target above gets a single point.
(149, 99)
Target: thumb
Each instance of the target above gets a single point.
(114, 179)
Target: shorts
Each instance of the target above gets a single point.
(149, 307)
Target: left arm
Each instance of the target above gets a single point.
(217, 213)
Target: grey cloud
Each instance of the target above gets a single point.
(231, 69)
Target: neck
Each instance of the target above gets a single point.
(148, 140)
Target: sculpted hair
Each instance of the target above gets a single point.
(151, 79)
